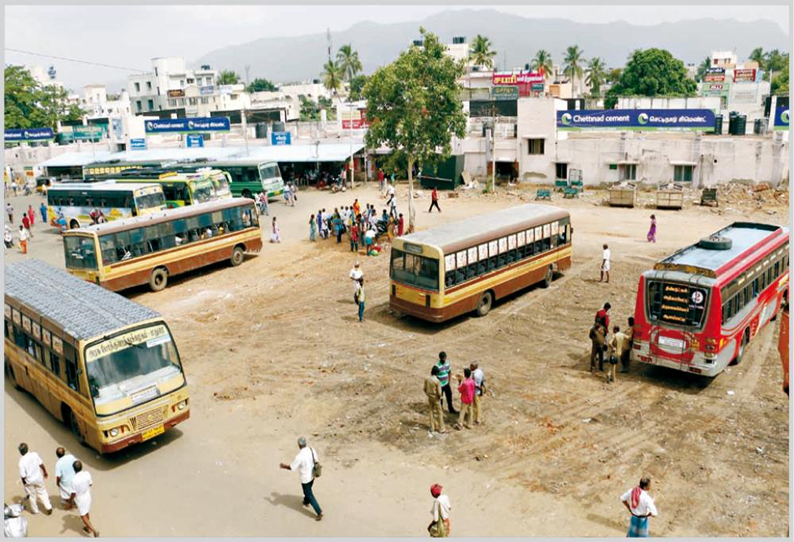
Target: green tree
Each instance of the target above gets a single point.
(573, 64)
(481, 53)
(228, 77)
(780, 82)
(651, 72)
(261, 85)
(348, 63)
(543, 63)
(332, 77)
(758, 56)
(309, 109)
(414, 107)
(614, 75)
(775, 61)
(704, 66)
(21, 99)
(357, 87)
(596, 75)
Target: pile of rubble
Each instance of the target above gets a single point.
(761, 193)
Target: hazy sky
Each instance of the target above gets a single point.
(131, 36)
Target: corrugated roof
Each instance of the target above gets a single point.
(324, 152)
(82, 309)
(471, 230)
(75, 159)
(109, 185)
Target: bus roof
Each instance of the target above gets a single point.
(485, 227)
(163, 216)
(745, 237)
(109, 185)
(83, 310)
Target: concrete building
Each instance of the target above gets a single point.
(459, 49)
(170, 80)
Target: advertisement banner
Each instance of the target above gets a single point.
(781, 118)
(747, 76)
(138, 144)
(198, 124)
(714, 75)
(225, 90)
(195, 141)
(118, 128)
(715, 89)
(354, 120)
(504, 93)
(28, 134)
(537, 87)
(87, 132)
(280, 138)
(516, 78)
(177, 93)
(637, 119)
(207, 90)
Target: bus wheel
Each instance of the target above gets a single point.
(247, 194)
(12, 377)
(158, 280)
(237, 256)
(74, 427)
(742, 346)
(74, 224)
(548, 278)
(484, 304)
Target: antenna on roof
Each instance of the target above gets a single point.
(328, 41)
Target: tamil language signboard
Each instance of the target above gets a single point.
(138, 144)
(714, 75)
(781, 118)
(28, 134)
(195, 141)
(637, 119)
(504, 92)
(715, 89)
(678, 300)
(197, 124)
(517, 78)
(354, 119)
(746, 76)
(280, 138)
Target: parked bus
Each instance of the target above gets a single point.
(116, 201)
(698, 309)
(783, 342)
(182, 189)
(465, 266)
(105, 366)
(148, 250)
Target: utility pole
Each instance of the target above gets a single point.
(247, 73)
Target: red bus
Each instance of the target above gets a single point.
(698, 308)
(782, 343)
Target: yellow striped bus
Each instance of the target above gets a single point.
(104, 365)
(465, 266)
(135, 251)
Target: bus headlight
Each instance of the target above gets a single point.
(181, 405)
(114, 432)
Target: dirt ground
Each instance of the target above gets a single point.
(273, 350)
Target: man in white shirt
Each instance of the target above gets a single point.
(640, 503)
(81, 496)
(355, 274)
(479, 378)
(64, 472)
(33, 473)
(605, 263)
(304, 464)
(440, 510)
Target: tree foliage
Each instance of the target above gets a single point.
(348, 63)
(414, 107)
(574, 57)
(651, 72)
(774, 62)
(332, 77)
(596, 75)
(543, 63)
(357, 87)
(780, 82)
(228, 77)
(261, 84)
(703, 68)
(29, 104)
(481, 53)
(758, 56)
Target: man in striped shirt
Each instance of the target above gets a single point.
(443, 377)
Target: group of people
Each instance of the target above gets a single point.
(24, 233)
(617, 347)
(471, 386)
(73, 482)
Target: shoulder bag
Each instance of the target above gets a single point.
(317, 468)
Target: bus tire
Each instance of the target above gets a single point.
(159, 279)
(548, 278)
(74, 224)
(742, 347)
(484, 304)
(247, 194)
(70, 419)
(12, 377)
(237, 256)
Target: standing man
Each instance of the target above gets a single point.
(598, 338)
(479, 386)
(43, 210)
(625, 356)
(640, 504)
(81, 496)
(33, 473)
(433, 392)
(443, 378)
(304, 464)
(23, 239)
(602, 317)
(466, 389)
(360, 298)
(10, 212)
(356, 274)
(381, 176)
(605, 263)
(616, 346)
(439, 527)
(64, 473)
(434, 202)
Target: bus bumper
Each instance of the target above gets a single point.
(699, 364)
(112, 447)
(419, 311)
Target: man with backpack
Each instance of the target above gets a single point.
(307, 466)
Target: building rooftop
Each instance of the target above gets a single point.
(83, 310)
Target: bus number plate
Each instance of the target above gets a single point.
(153, 432)
(671, 343)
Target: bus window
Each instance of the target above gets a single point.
(70, 358)
(19, 337)
(138, 242)
(123, 246)
(80, 253)
(151, 234)
(107, 246)
(55, 364)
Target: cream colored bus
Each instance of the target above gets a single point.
(465, 266)
(106, 366)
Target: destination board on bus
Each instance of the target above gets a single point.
(678, 301)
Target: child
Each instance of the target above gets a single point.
(275, 237)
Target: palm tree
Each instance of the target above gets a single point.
(481, 54)
(758, 56)
(348, 63)
(703, 68)
(596, 74)
(228, 77)
(543, 63)
(332, 77)
(573, 66)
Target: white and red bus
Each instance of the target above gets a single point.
(698, 308)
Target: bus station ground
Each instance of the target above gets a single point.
(272, 350)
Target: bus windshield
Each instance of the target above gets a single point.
(676, 303)
(154, 200)
(414, 270)
(80, 252)
(132, 365)
(269, 171)
(202, 191)
(221, 182)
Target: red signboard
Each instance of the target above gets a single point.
(714, 77)
(354, 120)
(517, 78)
(744, 75)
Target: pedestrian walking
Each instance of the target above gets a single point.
(434, 200)
(605, 263)
(308, 468)
(275, 236)
(339, 227)
(31, 215)
(312, 229)
(433, 392)
(640, 504)
(400, 225)
(628, 345)
(263, 203)
(26, 224)
(381, 178)
(353, 239)
(33, 473)
(81, 496)
(616, 346)
(323, 224)
(43, 210)
(478, 376)
(598, 340)
(652, 231)
(23, 239)
(443, 376)
(439, 527)
(356, 274)
(10, 212)
(360, 298)
(466, 388)
(64, 473)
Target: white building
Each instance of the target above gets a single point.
(167, 86)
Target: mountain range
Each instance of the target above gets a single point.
(514, 38)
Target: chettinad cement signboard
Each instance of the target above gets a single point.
(28, 134)
(191, 125)
(781, 118)
(701, 120)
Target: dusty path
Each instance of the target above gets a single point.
(273, 350)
